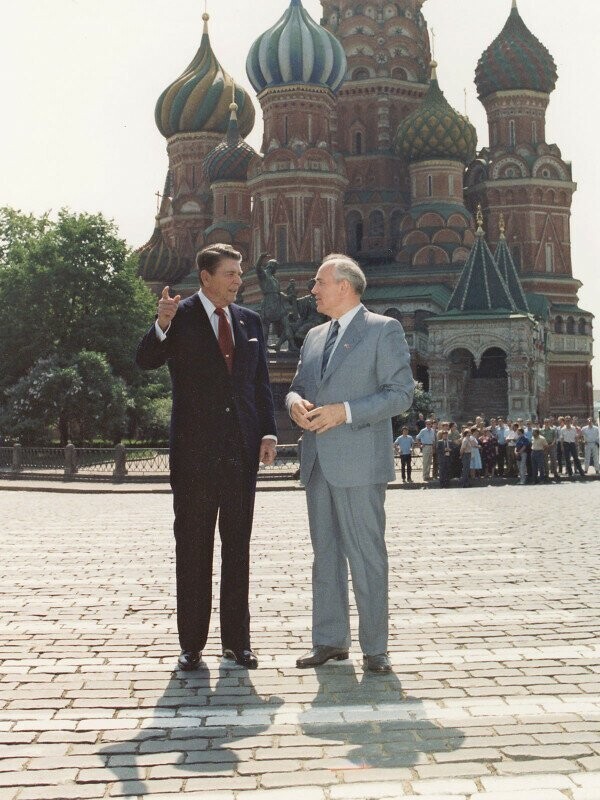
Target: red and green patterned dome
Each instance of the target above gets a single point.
(229, 160)
(515, 60)
(435, 130)
(198, 101)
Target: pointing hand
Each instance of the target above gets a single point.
(167, 308)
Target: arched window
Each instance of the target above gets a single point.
(354, 232)
(570, 325)
(582, 327)
(376, 225)
(400, 74)
(430, 185)
(358, 142)
(559, 325)
(451, 185)
(512, 133)
(360, 74)
(224, 204)
(534, 132)
(285, 129)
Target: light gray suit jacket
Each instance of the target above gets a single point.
(370, 368)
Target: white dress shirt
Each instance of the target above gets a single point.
(590, 434)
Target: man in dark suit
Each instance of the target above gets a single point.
(222, 425)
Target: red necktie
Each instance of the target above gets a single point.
(225, 339)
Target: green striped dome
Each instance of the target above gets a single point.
(198, 101)
(436, 130)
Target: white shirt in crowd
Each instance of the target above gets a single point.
(591, 434)
(568, 435)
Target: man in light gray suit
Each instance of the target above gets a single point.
(353, 376)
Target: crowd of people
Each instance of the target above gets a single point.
(523, 449)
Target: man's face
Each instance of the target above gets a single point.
(329, 292)
(222, 287)
(589, 422)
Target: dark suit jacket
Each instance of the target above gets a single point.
(212, 410)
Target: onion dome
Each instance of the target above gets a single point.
(515, 60)
(296, 50)
(157, 262)
(229, 160)
(435, 130)
(198, 101)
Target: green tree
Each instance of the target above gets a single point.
(66, 287)
(81, 399)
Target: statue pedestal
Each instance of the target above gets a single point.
(282, 368)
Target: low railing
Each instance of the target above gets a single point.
(115, 464)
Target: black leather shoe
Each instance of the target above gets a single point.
(189, 660)
(245, 658)
(379, 663)
(320, 654)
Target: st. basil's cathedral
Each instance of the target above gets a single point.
(361, 153)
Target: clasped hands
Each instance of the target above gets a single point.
(318, 419)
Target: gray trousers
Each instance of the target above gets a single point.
(347, 528)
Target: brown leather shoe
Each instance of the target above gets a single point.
(379, 663)
(320, 654)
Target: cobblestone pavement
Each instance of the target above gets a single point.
(494, 618)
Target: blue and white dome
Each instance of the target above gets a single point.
(296, 50)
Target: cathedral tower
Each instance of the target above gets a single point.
(524, 177)
(387, 47)
(298, 186)
(193, 115)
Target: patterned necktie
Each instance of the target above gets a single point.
(329, 344)
(225, 339)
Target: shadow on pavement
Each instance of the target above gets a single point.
(372, 742)
(200, 751)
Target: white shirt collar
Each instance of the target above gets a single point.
(347, 318)
(209, 306)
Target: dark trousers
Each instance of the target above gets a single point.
(529, 463)
(406, 466)
(570, 450)
(466, 469)
(228, 493)
(559, 456)
(501, 459)
(444, 470)
(539, 466)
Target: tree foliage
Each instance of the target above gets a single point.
(66, 287)
(72, 309)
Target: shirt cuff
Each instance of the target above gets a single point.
(270, 436)
(162, 335)
(348, 413)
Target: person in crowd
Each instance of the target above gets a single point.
(420, 422)
(500, 431)
(560, 453)
(426, 440)
(444, 455)
(568, 438)
(222, 425)
(404, 446)
(353, 376)
(466, 448)
(455, 439)
(591, 438)
(521, 446)
(476, 464)
(489, 452)
(539, 446)
(550, 435)
(512, 469)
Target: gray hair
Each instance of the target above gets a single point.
(347, 269)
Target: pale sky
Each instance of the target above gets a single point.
(80, 79)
